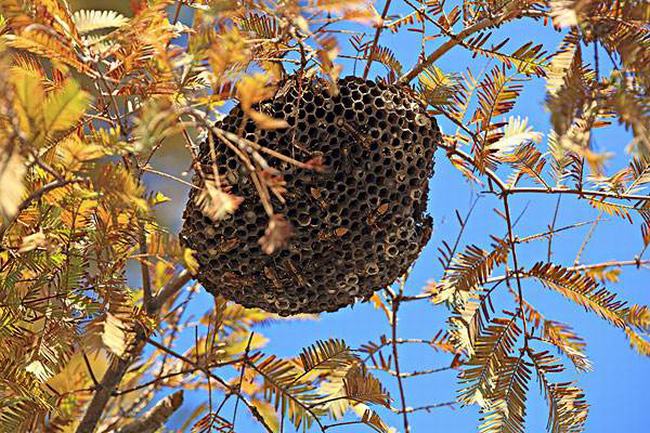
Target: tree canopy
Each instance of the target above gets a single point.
(96, 323)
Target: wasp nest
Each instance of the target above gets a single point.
(357, 225)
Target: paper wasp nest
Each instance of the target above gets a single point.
(357, 226)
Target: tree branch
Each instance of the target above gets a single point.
(118, 368)
(35, 196)
(170, 289)
(373, 47)
(511, 11)
(395, 303)
(156, 416)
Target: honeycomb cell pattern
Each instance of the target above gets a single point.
(357, 225)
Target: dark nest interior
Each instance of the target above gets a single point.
(357, 225)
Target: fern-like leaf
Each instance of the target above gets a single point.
(611, 208)
(327, 355)
(361, 386)
(372, 419)
(491, 353)
(440, 90)
(386, 57)
(568, 409)
(581, 289)
(506, 410)
(470, 269)
(568, 342)
(527, 159)
(287, 389)
(88, 21)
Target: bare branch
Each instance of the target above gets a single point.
(380, 27)
(155, 417)
(118, 368)
(511, 11)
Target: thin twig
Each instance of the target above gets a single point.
(91, 373)
(241, 379)
(551, 230)
(406, 375)
(579, 192)
(170, 289)
(545, 234)
(511, 11)
(429, 407)
(169, 176)
(144, 268)
(587, 238)
(373, 47)
(515, 262)
(395, 304)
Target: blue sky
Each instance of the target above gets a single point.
(618, 385)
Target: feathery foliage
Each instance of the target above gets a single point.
(101, 112)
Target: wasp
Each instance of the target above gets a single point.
(273, 276)
(227, 246)
(297, 276)
(317, 193)
(233, 279)
(338, 232)
(377, 213)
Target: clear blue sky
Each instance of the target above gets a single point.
(616, 389)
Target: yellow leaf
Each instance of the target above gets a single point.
(32, 242)
(253, 89)
(65, 107)
(91, 20)
(159, 198)
(637, 342)
(29, 97)
(265, 121)
(268, 412)
(565, 12)
(190, 262)
(114, 337)
(39, 370)
(11, 186)
(50, 45)
(72, 152)
(75, 375)
(515, 132)
(379, 304)
(236, 345)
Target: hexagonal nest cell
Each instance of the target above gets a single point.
(357, 225)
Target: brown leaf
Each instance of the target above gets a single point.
(276, 235)
(215, 202)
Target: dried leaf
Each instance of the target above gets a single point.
(215, 202)
(276, 235)
(11, 185)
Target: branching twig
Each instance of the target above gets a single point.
(429, 407)
(118, 368)
(511, 11)
(395, 303)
